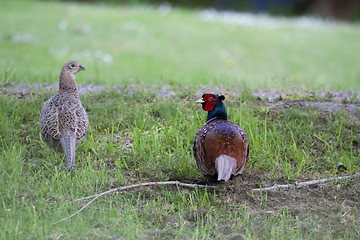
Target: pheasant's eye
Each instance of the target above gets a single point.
(209, 97)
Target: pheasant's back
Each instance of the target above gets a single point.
(63, 115)
(220, 137)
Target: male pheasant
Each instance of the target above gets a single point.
(63, 120)
(221, 148)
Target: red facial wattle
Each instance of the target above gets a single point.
(209, 102)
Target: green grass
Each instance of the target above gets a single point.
(149, 46)
(138, 135)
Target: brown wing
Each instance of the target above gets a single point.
(49, 120)
(82, 122)
(243, 150)
(206, 167)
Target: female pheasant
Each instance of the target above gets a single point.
(221, 148)
(63, 120)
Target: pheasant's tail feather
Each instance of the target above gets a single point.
(225, 167)
(68, 144)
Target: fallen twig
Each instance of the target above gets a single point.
(274, 188)
(96, 196)
(287, 187)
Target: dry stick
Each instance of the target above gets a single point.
(146, 184)
(271, 189)
(287, 187)
(96, 196)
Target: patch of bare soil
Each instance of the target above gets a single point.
(325, 101)
(329, 206)
(276, 100)
(330, 203)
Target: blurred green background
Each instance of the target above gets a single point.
(335, 9)
(160, 43)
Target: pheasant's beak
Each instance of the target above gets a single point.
(200, 100)
(82, 68)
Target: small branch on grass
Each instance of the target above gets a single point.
(274, 188)
(96, 196)
(287, 187)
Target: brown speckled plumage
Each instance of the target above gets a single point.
(63, 120)
(221, 147)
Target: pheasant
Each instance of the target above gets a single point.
(63, 120)
(221, 148)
